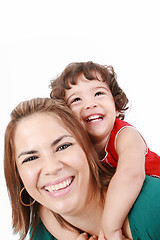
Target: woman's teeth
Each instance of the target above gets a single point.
(59, 186)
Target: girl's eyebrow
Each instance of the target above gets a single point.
(94, 88)
(102, 87)
(53, 144)
(75, 93)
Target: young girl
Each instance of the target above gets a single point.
(93, 94)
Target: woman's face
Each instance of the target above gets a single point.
(51, 164)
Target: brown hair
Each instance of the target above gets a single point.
(89, 69)
(27, 218)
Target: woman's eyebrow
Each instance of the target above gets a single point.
(60, 138)
(54, 143)
(27, 153)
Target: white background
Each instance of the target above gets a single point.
(39, 38)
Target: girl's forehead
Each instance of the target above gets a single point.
(92, 75)
(82, 80)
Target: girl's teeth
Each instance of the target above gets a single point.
(94, 118)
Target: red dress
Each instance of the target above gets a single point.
(152, 160)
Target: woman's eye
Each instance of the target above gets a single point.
(63, 147)
(99, 93)
(75, 100)
(29, 159)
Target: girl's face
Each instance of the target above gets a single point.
(93, 103)
(51, 164)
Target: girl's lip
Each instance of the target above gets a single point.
(94, 117)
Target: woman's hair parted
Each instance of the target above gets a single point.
(27, 218)
(69, 76)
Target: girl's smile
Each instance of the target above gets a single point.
(92, 102)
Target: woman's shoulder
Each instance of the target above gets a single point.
(144, 217)
(42, 233)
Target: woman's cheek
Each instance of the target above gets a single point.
(28, 176)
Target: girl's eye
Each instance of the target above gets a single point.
(63, 147)
(30, 159)
(99, 93)
(75, 100)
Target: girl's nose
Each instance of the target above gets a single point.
(90, 105)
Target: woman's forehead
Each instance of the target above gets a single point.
(40, 124)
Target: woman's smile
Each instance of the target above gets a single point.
(60, 188)
(51, 163)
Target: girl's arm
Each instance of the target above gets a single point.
(53, 226)
(126, 183)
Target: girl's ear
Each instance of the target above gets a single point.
(117, 113)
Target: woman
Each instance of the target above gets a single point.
(48, 153)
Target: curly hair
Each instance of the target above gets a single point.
(69, 76)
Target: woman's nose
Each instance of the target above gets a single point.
(52, 166)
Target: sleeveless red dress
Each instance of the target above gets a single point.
(152, 160)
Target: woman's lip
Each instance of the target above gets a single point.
(58, 185)
(57, 181)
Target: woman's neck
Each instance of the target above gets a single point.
(88, 220)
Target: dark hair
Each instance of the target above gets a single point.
(89, 69)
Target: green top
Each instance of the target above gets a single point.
(41, 233)
(144, 217)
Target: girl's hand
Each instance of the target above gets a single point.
(102, 237)
(84, 236)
